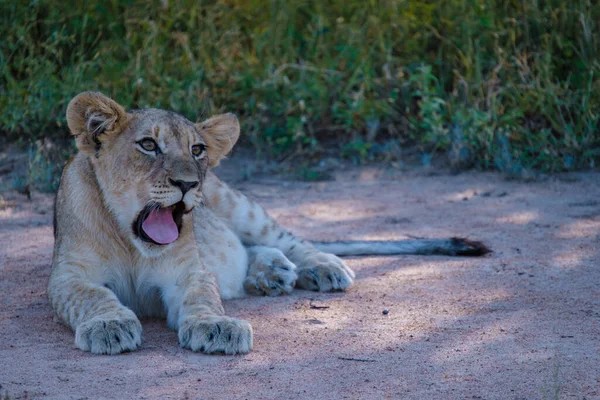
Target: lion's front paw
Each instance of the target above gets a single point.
(109, 335)
(216, 335)
(324, 273)
(270, 274)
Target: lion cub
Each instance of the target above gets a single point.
(144, 228)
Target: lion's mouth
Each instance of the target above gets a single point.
(159, 225)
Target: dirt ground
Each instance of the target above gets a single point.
(520, 323)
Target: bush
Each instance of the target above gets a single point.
(495, 84)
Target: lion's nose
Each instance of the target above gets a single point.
(183, 185)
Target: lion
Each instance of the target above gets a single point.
(144, 228)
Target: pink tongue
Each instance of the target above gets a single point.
(160, 226)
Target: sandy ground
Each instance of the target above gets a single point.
(521, 323)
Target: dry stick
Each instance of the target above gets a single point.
(356, 359)
(314, 307)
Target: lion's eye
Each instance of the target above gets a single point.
(198, 149)
(148, 145)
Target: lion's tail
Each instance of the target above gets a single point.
(449, 247)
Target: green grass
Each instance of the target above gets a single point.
(509, 85)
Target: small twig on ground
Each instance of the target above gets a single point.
(414, 237)
(314, 307)
(356, 359)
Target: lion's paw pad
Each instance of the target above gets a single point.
(109, 336)
(277, 278)
(326, 273)
(216, 335)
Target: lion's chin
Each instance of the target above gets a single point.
(158, 225)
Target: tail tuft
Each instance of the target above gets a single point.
(465, 247)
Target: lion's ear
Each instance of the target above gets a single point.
(220, 134)
(93, 118)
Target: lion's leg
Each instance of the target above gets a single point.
(316, 270)
(101, 323)
(194, 308)
(269, 272)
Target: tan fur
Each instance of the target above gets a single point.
(104, 276)
(222, 138)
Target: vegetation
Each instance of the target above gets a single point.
(503, 84)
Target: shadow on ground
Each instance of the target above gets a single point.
(521, 323)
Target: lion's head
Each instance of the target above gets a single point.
(150, 164)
